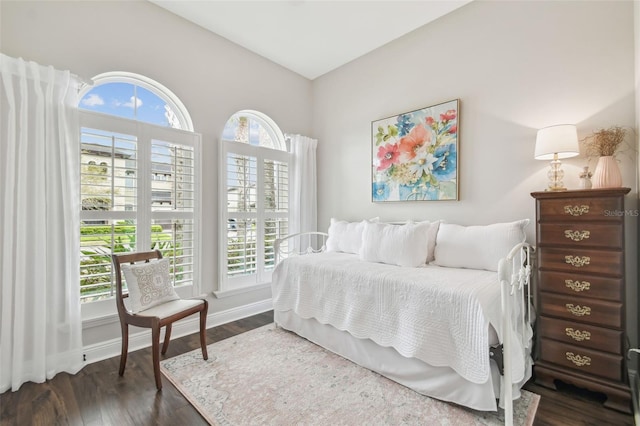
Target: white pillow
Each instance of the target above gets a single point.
(149, 284)
(431, 236)
(477, 247)
(345, 236)
(402, 245)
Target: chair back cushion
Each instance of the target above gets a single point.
(149, 284)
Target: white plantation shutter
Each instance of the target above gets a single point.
(139, 191)
(176, 239)
(276, 207)
(173, 202)
(108, 170)
(109, 200)
(254, 176)
(241, 192)
(172, 176)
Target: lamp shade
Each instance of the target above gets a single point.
(561, 139)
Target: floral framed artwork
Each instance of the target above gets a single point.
(415, 155)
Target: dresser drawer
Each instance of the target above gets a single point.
(575, 284)
(580, 209)
(597, 235)
(581, 260)
(582, 309)
(585, 360)
(582, 335)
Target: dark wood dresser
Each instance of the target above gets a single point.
(581, 292)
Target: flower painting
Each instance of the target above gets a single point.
(415, 155)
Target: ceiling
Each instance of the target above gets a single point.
(310, 37)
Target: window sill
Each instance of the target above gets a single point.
(99, 321)
(239, 290)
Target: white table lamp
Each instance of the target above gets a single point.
(554, 143)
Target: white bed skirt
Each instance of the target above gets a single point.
(442, 383)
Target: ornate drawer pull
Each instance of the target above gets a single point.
(578, 360)
(577, 335)
(576, 210)
(578, 286)
(576, 235)
(577, 261)
(578, 310)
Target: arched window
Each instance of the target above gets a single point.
(254, 128)
(133, 130)
(137, 97)
(254, 207)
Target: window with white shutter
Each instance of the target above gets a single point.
(109, 201)
(254, 177)
(139, 183)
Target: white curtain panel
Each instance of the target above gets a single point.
(304, 209)
(41, 328)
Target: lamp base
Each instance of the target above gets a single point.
(555, 189)
(555, 175)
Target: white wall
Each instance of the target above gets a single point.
(213, 77)
(516, 67)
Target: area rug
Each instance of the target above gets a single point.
(274, 377)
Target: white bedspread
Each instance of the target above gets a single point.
(438, 315)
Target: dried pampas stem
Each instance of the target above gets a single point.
(604, 142)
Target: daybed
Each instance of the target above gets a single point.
(431, 306)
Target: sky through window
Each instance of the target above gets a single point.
(128, 100)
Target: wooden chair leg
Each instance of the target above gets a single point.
(203, 333)
(155, 348)
(167, 336)
(125, 347)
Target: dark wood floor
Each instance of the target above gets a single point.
(98, 396)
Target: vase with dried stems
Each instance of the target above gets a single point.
(604, 143)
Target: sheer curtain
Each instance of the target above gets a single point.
(40, 329)
(303, 214)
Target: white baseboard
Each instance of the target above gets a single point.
(110, 348)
